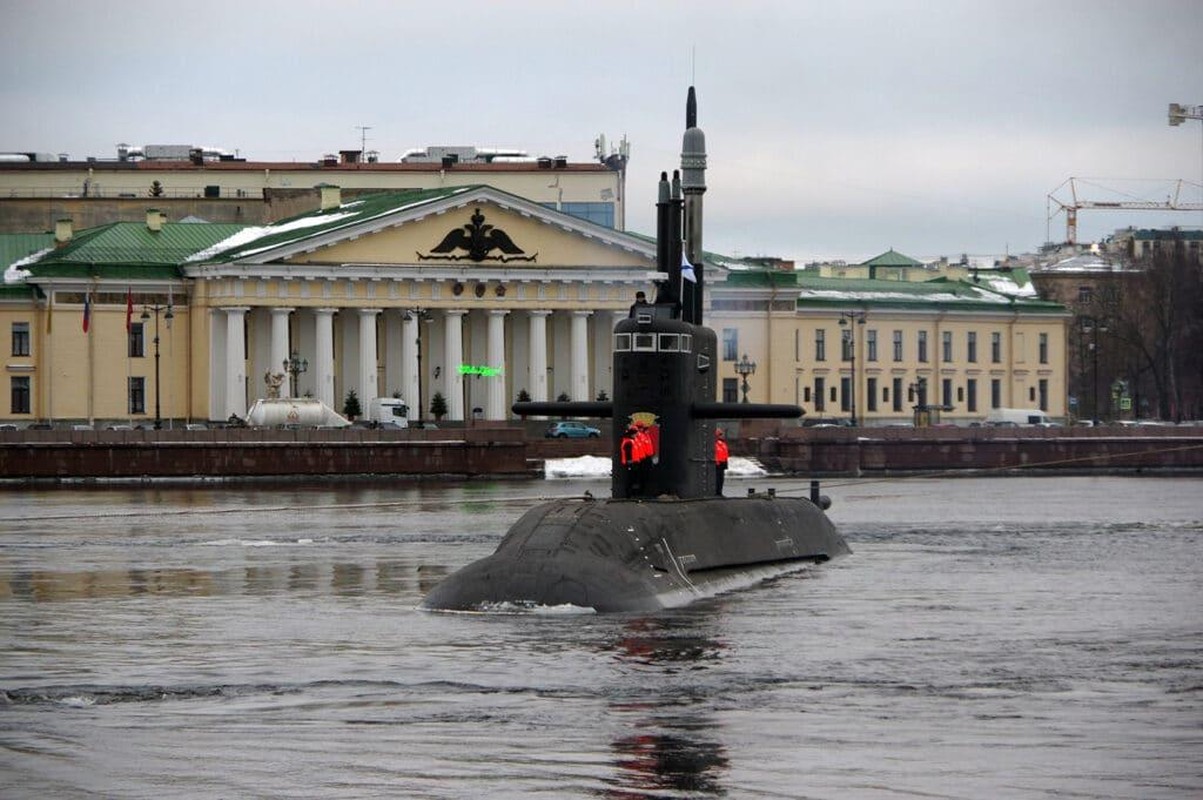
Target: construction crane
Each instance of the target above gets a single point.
(1172, 202)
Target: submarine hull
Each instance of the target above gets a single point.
(640, 555)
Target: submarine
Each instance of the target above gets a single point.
(665, 536)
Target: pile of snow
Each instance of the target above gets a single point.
(598, 467)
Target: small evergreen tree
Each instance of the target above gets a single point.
(523, 396)
(351, 408)
(563, 397)
(602, 396)
(438, 406)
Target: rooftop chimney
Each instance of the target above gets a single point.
(62, 231)
(331, 196)
(154, 219)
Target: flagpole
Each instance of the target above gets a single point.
(91, 357)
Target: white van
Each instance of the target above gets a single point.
(388, 412)
(1018, 416)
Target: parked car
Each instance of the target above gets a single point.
(571, 430)
(826, 422)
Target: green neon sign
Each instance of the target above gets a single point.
(476, 369)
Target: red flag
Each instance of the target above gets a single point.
(87, 311)
(129, 309)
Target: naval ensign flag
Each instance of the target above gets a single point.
(687, 270)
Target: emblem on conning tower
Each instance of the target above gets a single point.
(478, 240)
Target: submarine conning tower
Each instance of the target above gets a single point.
(664, 367)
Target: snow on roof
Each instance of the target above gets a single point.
(14, 272)
(250, 234)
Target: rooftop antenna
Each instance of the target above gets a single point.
(363, 140)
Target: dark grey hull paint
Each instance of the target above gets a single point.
(639, 555)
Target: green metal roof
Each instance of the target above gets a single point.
(936, 294)
(892, 258)
(130, 250)
(16, 246)
(866, 293)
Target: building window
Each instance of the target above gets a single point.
(946, 346)
(897, 394)
(971, 393)
(20, 338)
(137, 395)
(820, 345)
(971, 347)
(871, 345)
(1043, 394)
(1043, 344)
(598, 213)
(730, 390)
(1085, 295)
(845, 394)
(820, 395)
(897, 346)
(845, 345)
(946, 391)
(922, 347)
(20, 395)
(806, 394)
(137, 340)
(730, 344)
(996, 348)
(995, 393)
(871, 393)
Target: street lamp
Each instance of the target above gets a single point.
(168, 316)
(744, 368)
(846, 318)
(1092, 326)
(295, 366)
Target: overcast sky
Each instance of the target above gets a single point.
(834, 129)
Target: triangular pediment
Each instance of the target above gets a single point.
(488, 235)
(460, 228)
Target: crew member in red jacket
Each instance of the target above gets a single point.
(720, 459)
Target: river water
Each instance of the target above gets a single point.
(988, 638)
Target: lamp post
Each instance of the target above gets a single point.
(1092, 326)
(168, 316)
(295, 366)
(744, 368)
(846, 320)
(421, 315)
(919, 390)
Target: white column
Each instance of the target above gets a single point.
(410, 363)
(391, 357)
(236, 362)
(368, 357)
(495, 402)
(453, 356)
(538, 355)
(279, 348)
(323, 357)
(580, 355)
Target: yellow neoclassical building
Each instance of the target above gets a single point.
(479, 296)
(873, 350)
(468, 292)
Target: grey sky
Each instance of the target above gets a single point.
(834, 129)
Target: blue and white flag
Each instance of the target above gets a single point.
(687, 270)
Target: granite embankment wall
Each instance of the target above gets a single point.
(512, 451)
